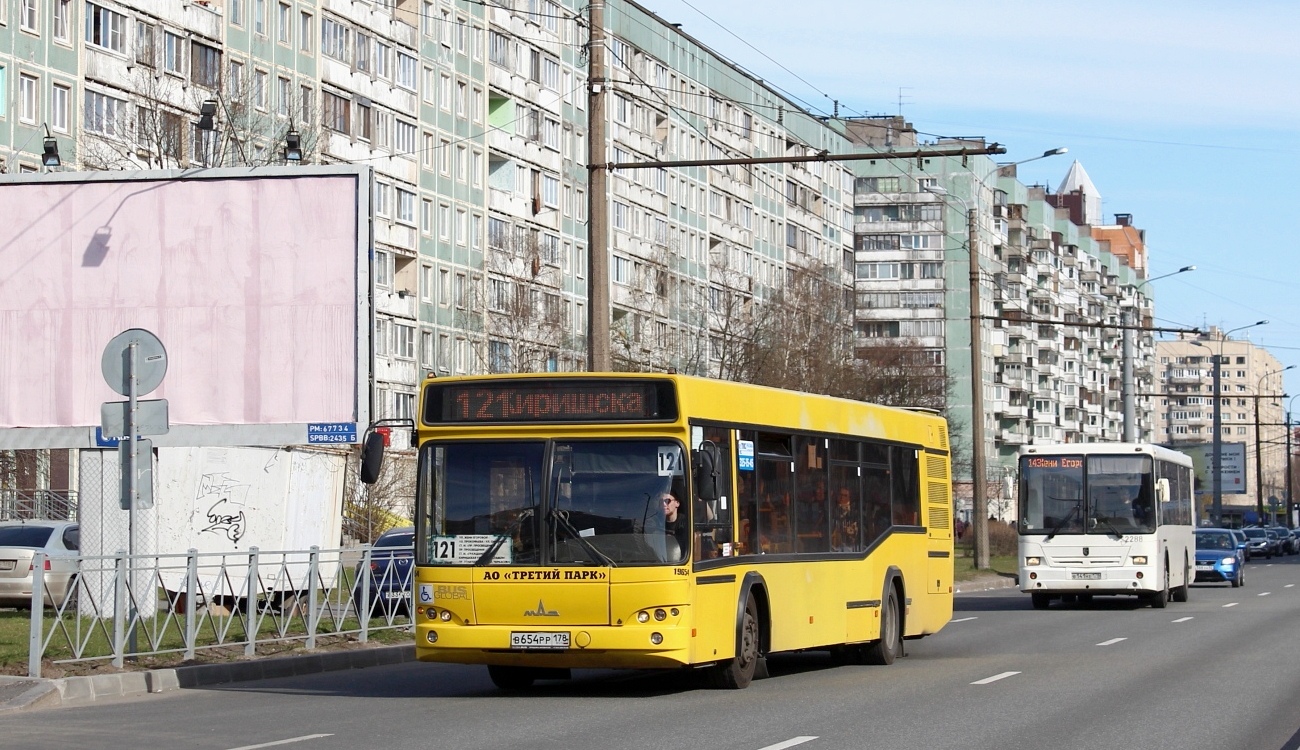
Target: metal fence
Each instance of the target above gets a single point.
(121, 606)
(53, 504)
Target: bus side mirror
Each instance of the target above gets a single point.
(1162, 492)
(372, 457)
(704, 470)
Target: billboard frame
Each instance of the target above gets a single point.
(339, 432)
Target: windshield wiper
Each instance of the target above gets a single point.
(491, 551)
(1108, 525)
(1057, 529)
(560, 520)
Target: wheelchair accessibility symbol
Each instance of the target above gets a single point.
(426, 593)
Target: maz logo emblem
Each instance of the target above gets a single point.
(541, 611)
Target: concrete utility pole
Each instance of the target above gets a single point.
(598, 304)
(1130, 388)
(979, 494)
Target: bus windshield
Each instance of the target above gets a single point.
(612, 502)
(1066, 494)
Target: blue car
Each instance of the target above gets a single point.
(392, 559)
(1219, 557)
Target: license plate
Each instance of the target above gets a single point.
(396, 594)
(532, 640)
(1086, 576)
(7, 564)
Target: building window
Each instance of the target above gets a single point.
(304, 32)
(28, 17)
(105, 29)
(205, 65)
(173, 52)
(407, 71)
(337, 113)
(62, 19)
(59, 99)
(284, 23)
(102, 112)
(405, 206)
(28, 101)
(403, 341)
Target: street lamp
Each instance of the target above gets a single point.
(1259, 465)
(1216, 467)
(1129, 388)
(1044, 155)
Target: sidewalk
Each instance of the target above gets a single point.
(22, 693)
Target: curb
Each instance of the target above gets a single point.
(83, 691)
(984, 584)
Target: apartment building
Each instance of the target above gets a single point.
(1251, 406)
(474, 119)
(1052, 296)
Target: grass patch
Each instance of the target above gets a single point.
(96, 638)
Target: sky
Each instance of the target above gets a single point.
(1185, 114)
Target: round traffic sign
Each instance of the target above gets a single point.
(138, 346)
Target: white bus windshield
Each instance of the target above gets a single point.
(1064, 494)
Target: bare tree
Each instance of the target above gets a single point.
(163, 128)
(526, 312)
(370, 510)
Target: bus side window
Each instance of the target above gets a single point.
(713, 518)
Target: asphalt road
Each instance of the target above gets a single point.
(1220, 671)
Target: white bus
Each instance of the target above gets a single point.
(1105, 518)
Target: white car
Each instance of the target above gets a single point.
(19, 542)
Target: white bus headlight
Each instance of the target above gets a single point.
(1033, 561)
(1139, 559)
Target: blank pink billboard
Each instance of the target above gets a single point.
(255, 285)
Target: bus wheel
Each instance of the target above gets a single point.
(1041, 601)
(1180, 594)
(737, 673)
(885, 650)
(511, 678)
(1160, 599)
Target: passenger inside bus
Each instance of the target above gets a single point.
(844, 523)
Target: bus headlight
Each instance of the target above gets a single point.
(656, 638)
(1139, 559)
(1033, 561)
(431, 636)
(643, 616)
(445, 616)
(660, 615)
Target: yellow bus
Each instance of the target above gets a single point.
(662, 521)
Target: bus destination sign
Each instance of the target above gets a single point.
(1054, 462)
(566, 400)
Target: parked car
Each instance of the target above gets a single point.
(392, 559)
(1219, 558)
(19, 542)
(1259, 543)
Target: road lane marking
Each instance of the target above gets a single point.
(995, 678)
(788, 743)
(1182, 619)
(964, 619)
(1264, 593)
(1289, 585)
(1230, 604)
(1111, 642)
(303, 738)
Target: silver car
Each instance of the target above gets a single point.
(19, 542)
